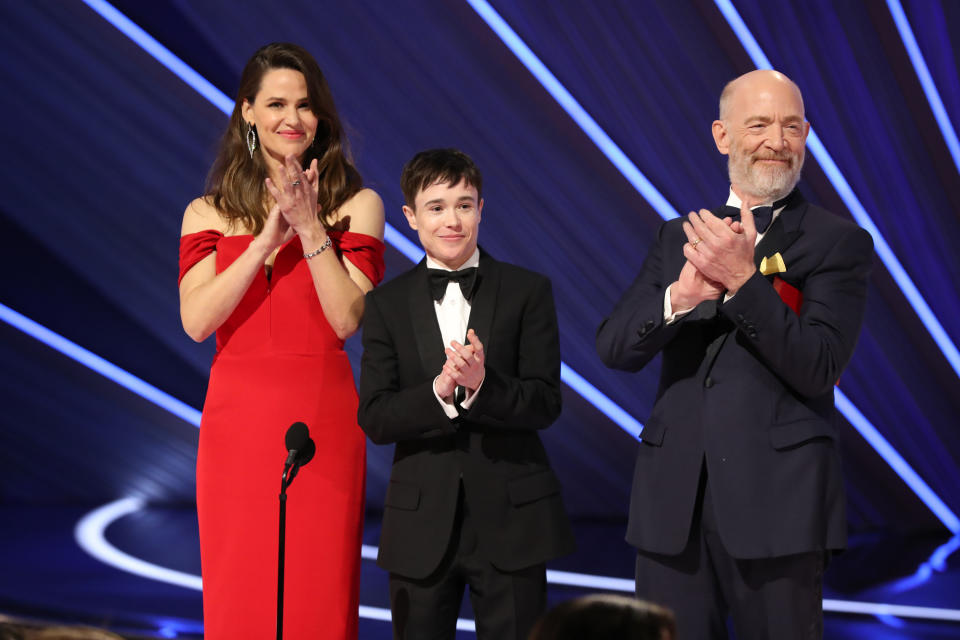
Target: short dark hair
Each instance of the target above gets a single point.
(446, 166)
(606, 617)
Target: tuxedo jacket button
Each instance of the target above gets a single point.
(708, 382)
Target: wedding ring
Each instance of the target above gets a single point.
(696, 242)
(295, 183)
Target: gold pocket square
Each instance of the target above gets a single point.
(773, 264)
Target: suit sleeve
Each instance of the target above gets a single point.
(635, 331)
(809, 350)
(389, 412)
(530, 399)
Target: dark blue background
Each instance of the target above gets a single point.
(101, 148)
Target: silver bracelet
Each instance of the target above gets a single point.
(313, 254)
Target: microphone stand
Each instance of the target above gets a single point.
(288, 473)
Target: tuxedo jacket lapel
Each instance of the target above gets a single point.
(784, 231)
(484, 303)
(423, 316)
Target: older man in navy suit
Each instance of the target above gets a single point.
(737, 496)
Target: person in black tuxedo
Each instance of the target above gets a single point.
(461, 368)
(737, 497)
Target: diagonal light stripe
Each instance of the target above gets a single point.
(926, 80)
(845, 191)
(89, 534)
(103, 367)
(566, 100)
(563, 96)
(166, 57)
(897, 463)
(598, 399)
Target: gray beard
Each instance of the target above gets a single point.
(768, 185)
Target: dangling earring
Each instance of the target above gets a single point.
(251, 139)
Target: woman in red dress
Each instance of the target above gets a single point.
(276, 259)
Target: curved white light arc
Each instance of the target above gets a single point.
(89, 534)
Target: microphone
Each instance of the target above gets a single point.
(300, 448)
(300, 451)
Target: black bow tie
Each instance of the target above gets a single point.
(761, 215)
(439, 279)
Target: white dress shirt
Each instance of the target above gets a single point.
(453, 313)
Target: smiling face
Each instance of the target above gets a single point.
(762, 129)
(447, 219)
(281, 112)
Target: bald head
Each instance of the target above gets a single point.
(752, 84)
(763, 130)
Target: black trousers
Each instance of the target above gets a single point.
(777, 598)
(506, 604)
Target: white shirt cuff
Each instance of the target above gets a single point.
(447, 405)
(669, 315)
(471, 395)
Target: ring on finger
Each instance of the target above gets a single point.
(295, 183)
(696, 242)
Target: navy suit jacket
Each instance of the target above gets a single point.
(747, 387)
(493, 448)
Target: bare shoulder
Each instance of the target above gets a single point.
(362, 213)
(201, 215)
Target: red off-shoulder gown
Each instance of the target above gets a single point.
(279, 362)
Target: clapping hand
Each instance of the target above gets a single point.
(297, 198)
(464, 366)
(692, 287)
(276, 231)
(721, 250)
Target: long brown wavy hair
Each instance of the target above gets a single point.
(236, 181)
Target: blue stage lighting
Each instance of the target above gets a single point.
(896, 462)
(899, 610)
(566, 100)
(162, 54)
(598, 399)
(926, 80)
(402, 244)
(93, 361)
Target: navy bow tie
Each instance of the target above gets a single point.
(439, 279)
